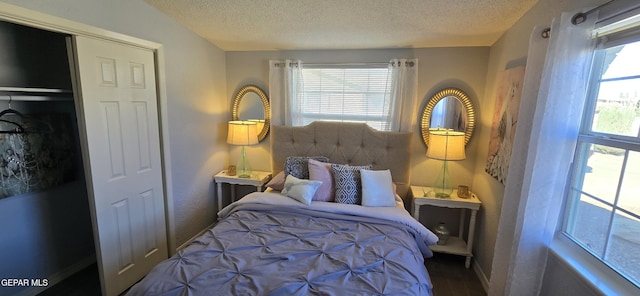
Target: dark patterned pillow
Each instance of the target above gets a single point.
(298, 166)
(348, 183)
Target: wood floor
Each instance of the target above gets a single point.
(448, 276)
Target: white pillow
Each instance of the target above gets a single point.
(377, 189)
(300, 189)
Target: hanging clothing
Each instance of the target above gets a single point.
(39, 158)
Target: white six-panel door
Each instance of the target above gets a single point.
(118, 120)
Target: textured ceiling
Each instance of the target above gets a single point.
(240, 25)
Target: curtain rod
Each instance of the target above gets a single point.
(581, 17)
(295, 64)
(407, 63)
(624, 7)
(344, 64)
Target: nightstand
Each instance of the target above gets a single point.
(257, 179)
(455, 245)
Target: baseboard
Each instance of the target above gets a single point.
(182, 246)
(59, 276)
(481, 276)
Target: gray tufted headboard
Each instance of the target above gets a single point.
(345, 143)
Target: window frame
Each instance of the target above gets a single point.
(385, 120)
(600, 274)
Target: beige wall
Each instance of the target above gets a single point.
(464, 68)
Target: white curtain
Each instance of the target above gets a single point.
(550, 114)
(285, 87)
(404, 87)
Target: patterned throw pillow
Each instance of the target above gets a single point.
(298, 166)
(348, 183)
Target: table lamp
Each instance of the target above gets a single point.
(243, 133)
(260, 124)
(445, 145)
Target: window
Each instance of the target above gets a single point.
(603, 205)
(346, 93)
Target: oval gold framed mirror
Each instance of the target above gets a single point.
(449, 109)
(251, 104)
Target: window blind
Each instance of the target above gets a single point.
(350, 94)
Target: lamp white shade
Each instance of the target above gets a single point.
(242, 133)
(446, 145)
(259, 122)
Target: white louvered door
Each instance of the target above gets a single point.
(118, 122)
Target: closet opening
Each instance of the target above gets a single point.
(46, 232)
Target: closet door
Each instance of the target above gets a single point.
(118, 114)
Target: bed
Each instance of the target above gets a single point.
(279, 243)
